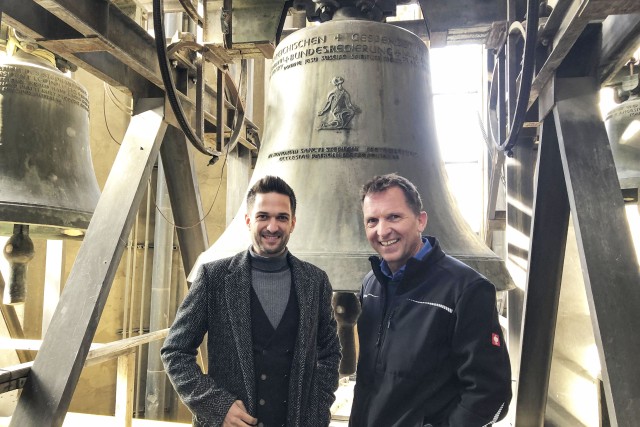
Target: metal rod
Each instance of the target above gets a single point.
(145, 253)
(127, 286)
(160, 290)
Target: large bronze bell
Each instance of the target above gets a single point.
(623, 129)
(350, 99)
(47, 182)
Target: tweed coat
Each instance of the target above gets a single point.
(218, 302)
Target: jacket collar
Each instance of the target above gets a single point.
(414, 270)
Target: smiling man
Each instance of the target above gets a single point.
(431, 348)
(272, 343)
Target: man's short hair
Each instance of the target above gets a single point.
(271, 184)
(382, 183)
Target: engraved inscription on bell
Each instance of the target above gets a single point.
(20, 80)
(338, 110)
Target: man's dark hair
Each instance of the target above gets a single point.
(382, 183)
(271, 184)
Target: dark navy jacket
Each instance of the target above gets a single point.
(436, 355)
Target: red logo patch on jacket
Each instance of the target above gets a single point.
(495, 339)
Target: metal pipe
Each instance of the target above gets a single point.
(127, 286)
(141, 376)
(134, 266)
(160, 292)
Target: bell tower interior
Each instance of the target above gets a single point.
(130, 131)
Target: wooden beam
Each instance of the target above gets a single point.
(125, 382)
(443, 16)
(184, 195)
(578, 14)
(607, 254)
(104, 352)
(13, 325)
(14, 377)
(544, 276)
(620, 39)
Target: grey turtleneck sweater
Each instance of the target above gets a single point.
(271, 281)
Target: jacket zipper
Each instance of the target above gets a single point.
(382, 333)
(381, 328)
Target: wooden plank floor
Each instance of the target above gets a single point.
(341, 407)
(340, 414)
(82, 420)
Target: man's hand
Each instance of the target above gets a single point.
(238, 416)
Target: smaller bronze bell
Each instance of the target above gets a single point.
(47, 182)
(623, 129)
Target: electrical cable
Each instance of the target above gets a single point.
(117, 102)
(167, 80)
(104, 114)
(228, 147)
(526, 78)
(238, 106)
(170, 89)
(215, 197)
(191, 12)
(487, 142)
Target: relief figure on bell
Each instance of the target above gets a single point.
(339, 106)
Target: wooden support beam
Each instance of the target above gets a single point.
(98, 37)
(104, 352)
(14, 377)
(455, 14)
(620, 39)
(49, 388)
(13, 324)
(184, 194)
(579, 13)
(544, 276)
(607, 254)
(124, 389)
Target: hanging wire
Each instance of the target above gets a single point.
(488, 143)
(191, 12)
(215, 197)
(128, 109)
(104, 115)
(240, 93)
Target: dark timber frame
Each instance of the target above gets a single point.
(577, 175)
